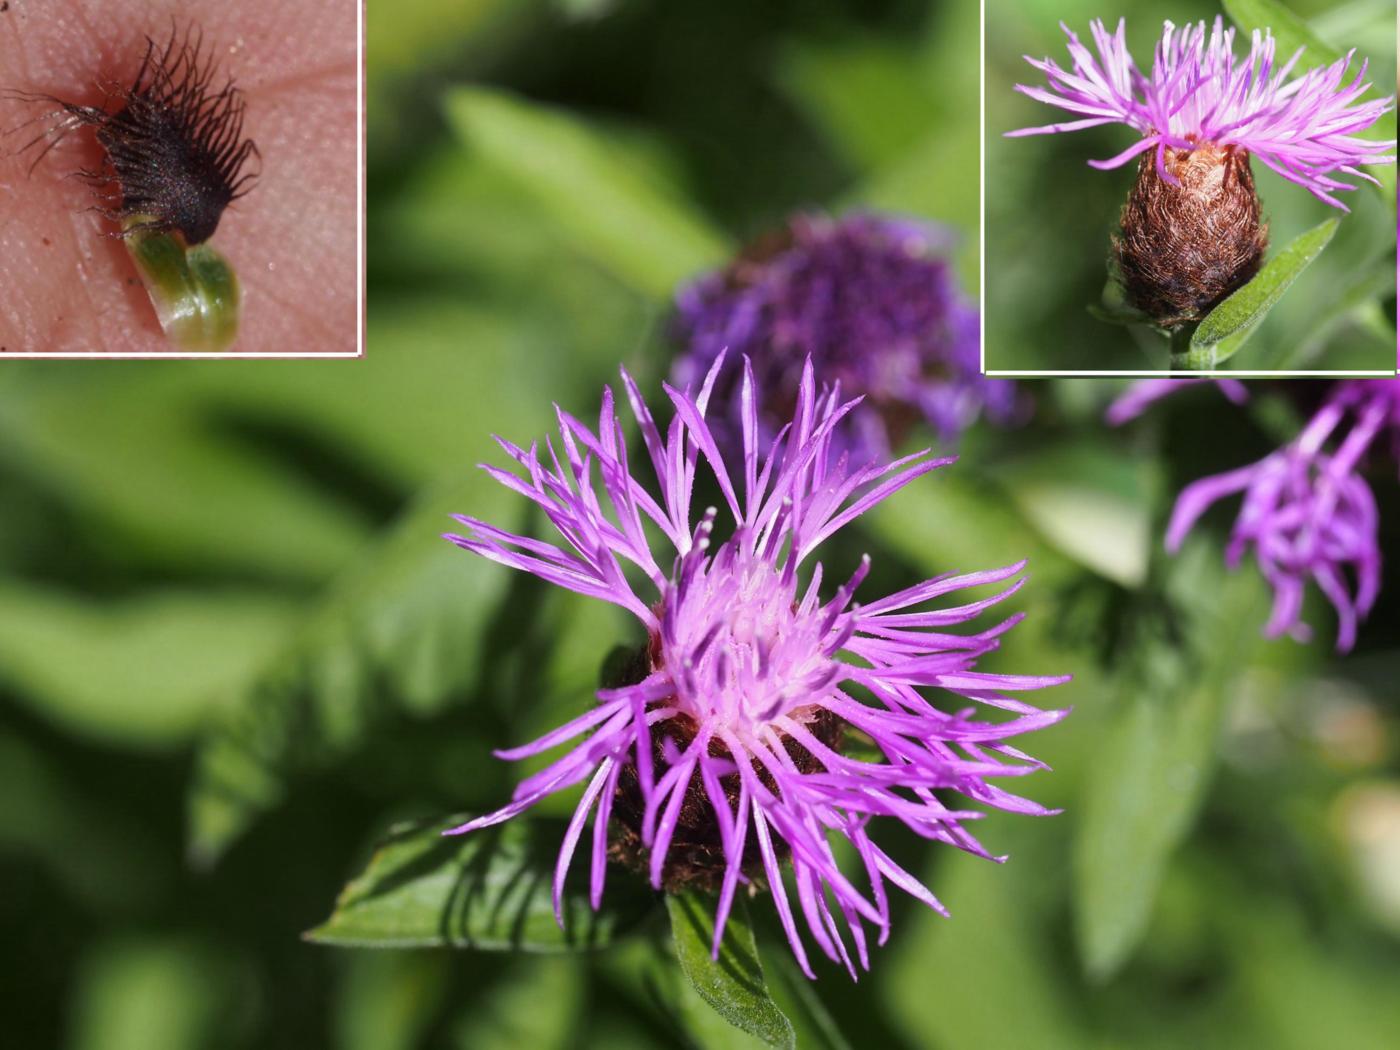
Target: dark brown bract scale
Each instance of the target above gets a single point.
(695, 859)
(1183, 248)
(175, 150)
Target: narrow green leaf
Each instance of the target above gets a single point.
(1289, 30)
(1144, 788)
(733, 984)
(1227, 327)
(629, 223)
(488, 889)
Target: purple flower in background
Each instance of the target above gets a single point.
(1142, 395)
(721, 754)
(1198, 95)
(1308, 514)
(872, 301)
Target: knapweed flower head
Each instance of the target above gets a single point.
(872, 301)
(1191, 229)
(1308, 514)
(722, 754)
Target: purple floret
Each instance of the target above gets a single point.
(872, 301)
(1303, 127)
(1308, 514)
(748, 651)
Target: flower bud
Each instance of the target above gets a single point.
(1186, 245)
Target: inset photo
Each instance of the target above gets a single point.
(180, 179)
(1172, 186)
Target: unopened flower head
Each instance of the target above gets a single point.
(1191, 230)
(1308, 513)
(721, 754)
(872, 300)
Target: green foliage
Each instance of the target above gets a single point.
(733, 983)
(222, 589)
(606, 207)
(489, 890)
(1184, 662)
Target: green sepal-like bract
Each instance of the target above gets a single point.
(194, 290)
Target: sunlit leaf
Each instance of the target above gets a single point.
(1089, 501)
(489, 890)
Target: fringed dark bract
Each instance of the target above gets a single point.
(175, 148)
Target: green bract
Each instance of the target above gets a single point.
(194, 290)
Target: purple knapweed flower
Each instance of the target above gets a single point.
(1192, 230)
(1308, 514)
(722, 752)
(1198, 95)
(872, 300)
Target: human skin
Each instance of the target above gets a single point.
(67, 284)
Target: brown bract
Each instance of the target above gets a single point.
(1183, 248)
(695, 858)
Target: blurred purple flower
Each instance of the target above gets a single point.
(1198, 95)
(873, 302)
(1139, 397)
(721, 753)
(1308, 514)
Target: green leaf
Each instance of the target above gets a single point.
(1289, 30)
(143, 462)
(1090, 502)
(634, 226)
(402, 632)
(134, 992)
(1227, 327)
(868, 95)
(1151, 770)
(141, 672)
(733, 984)
(489, 890)
(389, 1000)
(539, 1003)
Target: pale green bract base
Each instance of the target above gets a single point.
(194, 290)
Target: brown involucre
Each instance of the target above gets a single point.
(174, 144)
(1183, 248)
(695, 858)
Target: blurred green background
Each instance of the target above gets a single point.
(1049, 215)
(233, 650)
